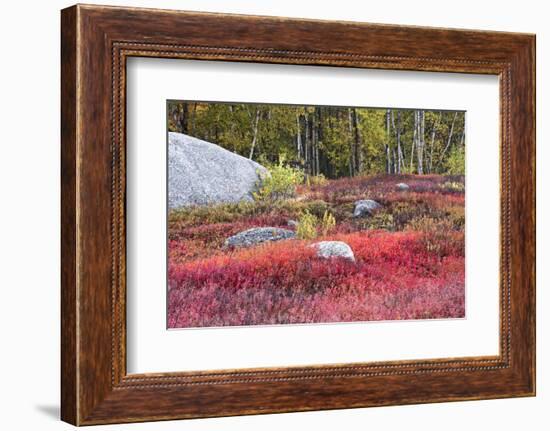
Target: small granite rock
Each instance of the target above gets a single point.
(328, 249)
(402, 186)
(365, 207)
(257, 235)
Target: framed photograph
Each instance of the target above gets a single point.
(264, 215)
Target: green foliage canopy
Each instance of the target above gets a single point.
(330, 141)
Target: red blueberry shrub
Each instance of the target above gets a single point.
(409, 257)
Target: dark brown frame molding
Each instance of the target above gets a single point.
(95, 43)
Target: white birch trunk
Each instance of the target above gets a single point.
(255, 133)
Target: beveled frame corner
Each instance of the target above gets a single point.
(96, 42)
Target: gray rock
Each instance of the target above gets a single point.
(292, 223)
(328, 249)
(201, 173)
(402, 186)
(257, 235)
(365, 208)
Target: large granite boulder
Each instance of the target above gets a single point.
(365, 208)
(329, 249)
(201, 173)
(257, 235)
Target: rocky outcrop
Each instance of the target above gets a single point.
(201, 173)
(258, 235)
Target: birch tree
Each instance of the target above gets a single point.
(255, 122)
(420, 141)
(333, 141)
(449, 138)
(432, 142)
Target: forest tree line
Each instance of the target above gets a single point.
(332, 141)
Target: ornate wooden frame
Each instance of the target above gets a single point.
(95, 43)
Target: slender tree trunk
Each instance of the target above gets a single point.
(423, 134)
(315, 144)
(400, 161)
(298, 137)
(420, 142)
(413, 143)
(254, 133)
(232, 131)
(351, 138)
(449, 139)
(319, 140)
(193, 118)
(357, 146)
(434, 128)
(388, 154)
(183, 118)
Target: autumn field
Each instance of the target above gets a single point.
(408, 255)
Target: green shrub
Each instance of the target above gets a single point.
(280, 183)
(217, 213)
(456, 161)
(453, 186)
(317, 207)
(307, 226)
(316, 180)
(327, 223)
(403, 212)
(380, 220)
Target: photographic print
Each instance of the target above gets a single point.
(295, 214)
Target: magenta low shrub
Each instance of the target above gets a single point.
(394, 277)
(409, 258)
